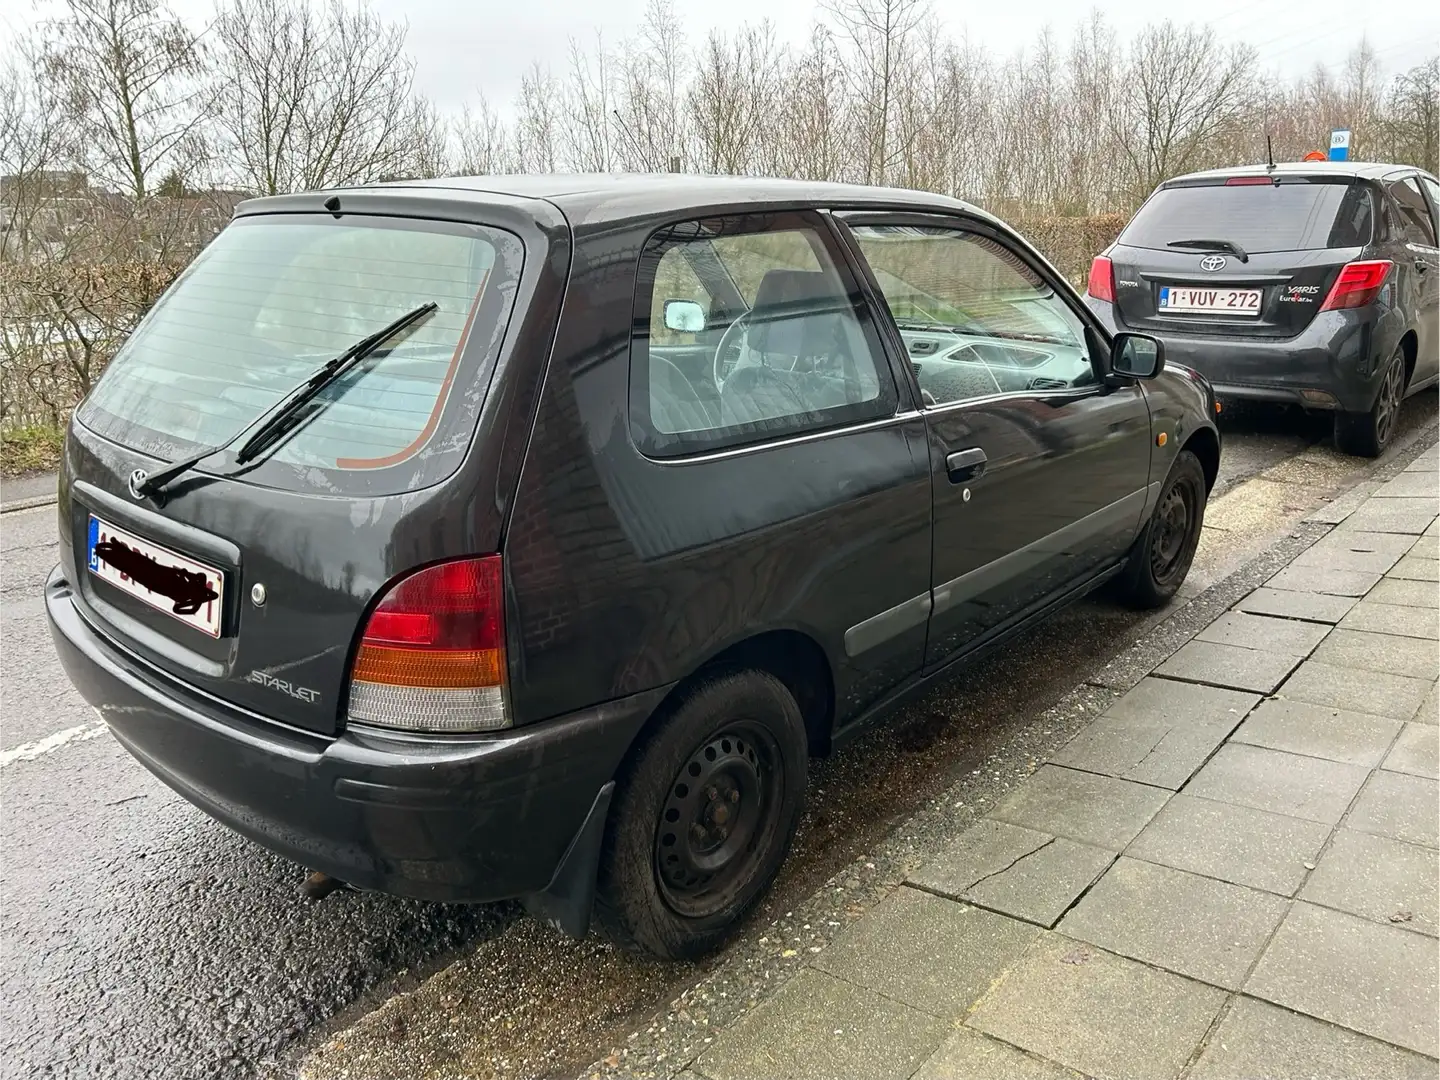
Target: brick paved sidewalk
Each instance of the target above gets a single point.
(1231, 873)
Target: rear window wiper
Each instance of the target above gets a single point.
(272, 423)
(1212, 245)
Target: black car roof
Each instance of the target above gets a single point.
(602, 198)
(1368, 170)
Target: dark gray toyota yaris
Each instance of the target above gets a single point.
(524, 537)
(1311, 284)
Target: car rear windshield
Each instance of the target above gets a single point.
(271, 300)
(1290, 216)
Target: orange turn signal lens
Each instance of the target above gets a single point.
(442, 669)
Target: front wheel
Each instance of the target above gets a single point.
(1162, 553)
(703, 817)
(1367, 434)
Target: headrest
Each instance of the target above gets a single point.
(787, 305)
(791, 289)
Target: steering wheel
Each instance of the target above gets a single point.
(721, 366)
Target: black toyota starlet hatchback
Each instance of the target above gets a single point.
(524, 537)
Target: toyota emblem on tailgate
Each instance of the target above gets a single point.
(1211, 263)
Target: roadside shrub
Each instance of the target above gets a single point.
(30, 449)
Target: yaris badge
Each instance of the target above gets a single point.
(1211, 263)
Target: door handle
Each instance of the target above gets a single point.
(965, 465)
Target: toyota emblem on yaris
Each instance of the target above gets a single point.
(1211, 263)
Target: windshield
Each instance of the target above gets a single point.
(271, 300)
(938, 278)
(1256, 217)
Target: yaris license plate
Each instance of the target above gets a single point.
(182, 588)
(1212, 301)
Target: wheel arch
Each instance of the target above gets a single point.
(1410, 348)
(792, 656)
(1205, 445)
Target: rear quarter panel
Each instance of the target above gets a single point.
(627, 573)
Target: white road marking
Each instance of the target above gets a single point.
(41, 747)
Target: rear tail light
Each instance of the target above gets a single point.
(1248, 181)
(432, 656)
(1357, 285)
(1102, 279)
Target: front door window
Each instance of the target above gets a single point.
(976, 319)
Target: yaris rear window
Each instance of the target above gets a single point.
(271, 300)
(1289, 216)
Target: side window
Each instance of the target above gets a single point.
(976, 318)
(1391, 226)
(1354, 220)
(746, 328)
(1418, 228)
(677, 282)
(1433, 190)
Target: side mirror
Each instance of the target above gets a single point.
(1137, 355)
(684, 316)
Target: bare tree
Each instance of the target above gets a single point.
(732, 97)
(537, 125)
(587, 144)
(813, 115)
(35, 139)
(427, 142)
(313, 98)
(881, 35)
(131, 77)
(484, 146)
(649, 107)
(1411, 131)
(1179, 89)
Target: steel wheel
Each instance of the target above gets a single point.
(721, 807)
(1170, 531)
(1160, 557)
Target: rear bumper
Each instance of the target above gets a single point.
(457, 819)
(1333, 364)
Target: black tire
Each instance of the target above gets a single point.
(1161, 555)
(1368, 434)
(702, 817)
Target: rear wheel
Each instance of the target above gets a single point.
(1162, 553)
(1367, 434)
(703, 817)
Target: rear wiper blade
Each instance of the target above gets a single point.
(1212, 245)
(270, 424)
(270, 427)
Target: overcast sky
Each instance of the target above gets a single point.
(461, 46)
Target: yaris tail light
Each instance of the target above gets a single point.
(1357, 285)
(1102, 279)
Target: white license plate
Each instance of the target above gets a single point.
(182, 588)
(1214, 301)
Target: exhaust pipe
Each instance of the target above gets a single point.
(317, 886)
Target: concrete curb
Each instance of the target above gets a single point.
(757, 968)
(27, 492)
(28, 504)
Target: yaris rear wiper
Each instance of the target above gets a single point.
(272, 423)
(1212, 245)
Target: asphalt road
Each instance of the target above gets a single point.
(138, 938)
